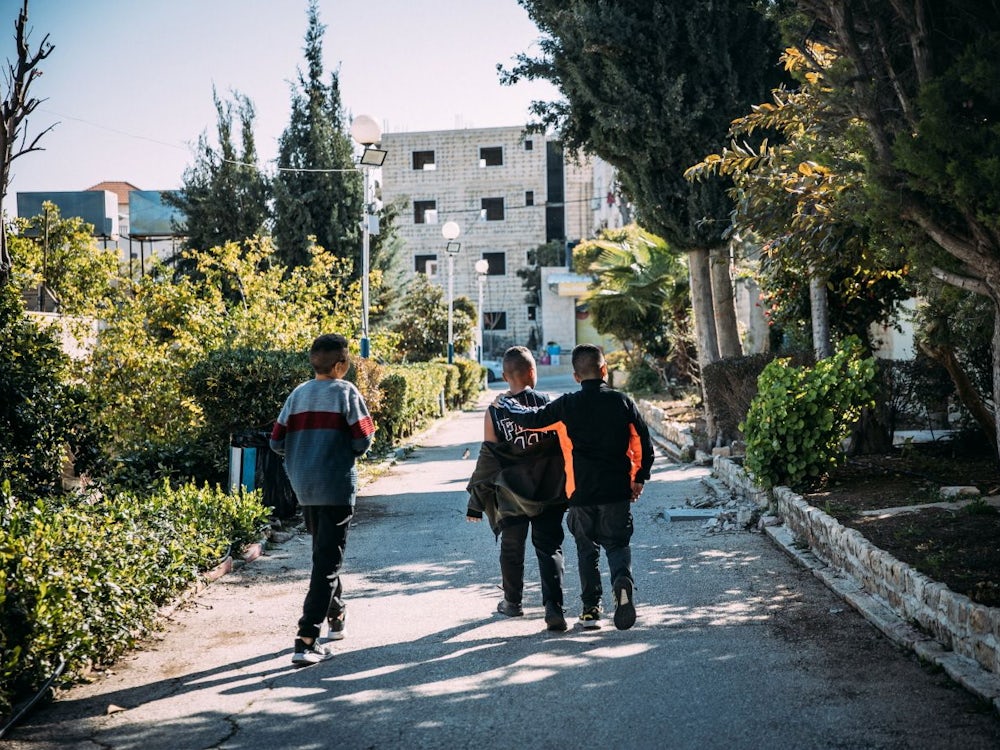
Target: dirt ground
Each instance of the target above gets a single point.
(959, 547)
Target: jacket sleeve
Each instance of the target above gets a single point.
(481, 487)
(532, 417)
(277, 441)
(640, 448)
(360, 423)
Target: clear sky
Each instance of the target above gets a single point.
(130, 81)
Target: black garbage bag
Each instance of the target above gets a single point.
(269, 473)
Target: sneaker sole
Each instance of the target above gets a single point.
(334, 636)
(305, 660)
(624, 604)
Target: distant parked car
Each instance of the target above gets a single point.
(494, 369)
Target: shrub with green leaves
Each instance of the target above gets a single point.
(797, 423)
(81, 576)
(42, 412)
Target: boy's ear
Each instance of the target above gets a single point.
(604, 371)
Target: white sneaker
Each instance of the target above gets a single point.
(312, 653)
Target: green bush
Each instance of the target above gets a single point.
(800, 416)
(464, 381)
(42, 413)
(80, 577)
(410, 399)
(730, 386)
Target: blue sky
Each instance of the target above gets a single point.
(130, 81)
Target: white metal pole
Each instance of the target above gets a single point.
(451, 297)
(482, 320)
(365, 240)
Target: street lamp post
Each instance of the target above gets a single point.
(450, 231)
(366, 131)
(482, 268)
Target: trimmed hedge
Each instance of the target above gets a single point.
(464, 390)
(410, 399)
(80, 577)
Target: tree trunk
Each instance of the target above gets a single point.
(704, 326)
(820, 314)
(724, 303)
(702, 307)
(967, 392)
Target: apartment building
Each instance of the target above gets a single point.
(509, 192)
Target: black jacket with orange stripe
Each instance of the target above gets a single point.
(606, 440)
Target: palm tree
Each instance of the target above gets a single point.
(639, 293)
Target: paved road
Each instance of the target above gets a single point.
(735, 647)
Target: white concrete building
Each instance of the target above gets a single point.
(510, 192)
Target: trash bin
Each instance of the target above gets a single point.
(253, 465)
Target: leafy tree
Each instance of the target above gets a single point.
(15, 108)
(224, 195)
(42, 410)
(164, 326)
(63, 255)
(639, 294)
(318, 191)
(804, 194)
(650, 87)
(423, 322)
(922, 78)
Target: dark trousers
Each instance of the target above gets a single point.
(328, 526)
(546, 537)
(595, 526)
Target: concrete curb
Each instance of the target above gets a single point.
(920, 615)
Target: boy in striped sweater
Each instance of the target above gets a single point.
(322, 428)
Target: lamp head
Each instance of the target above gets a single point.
(365, 130)
(450, 230)
(482, 266)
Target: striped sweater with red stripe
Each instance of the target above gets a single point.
(323, 426)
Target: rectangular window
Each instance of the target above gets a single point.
(425, 212)
(420, 263)
(495, 321)
(529, 197)
(532, 312)
(492, 209)
(529, 145)
(491, 156)
(424, 160)
(498, 263)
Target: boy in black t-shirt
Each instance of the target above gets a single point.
(518, 483)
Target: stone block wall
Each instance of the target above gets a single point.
(956, 622)
(679, 435)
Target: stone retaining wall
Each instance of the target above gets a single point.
(955, 621)
(677, 433)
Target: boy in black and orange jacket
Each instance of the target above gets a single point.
(609, 459)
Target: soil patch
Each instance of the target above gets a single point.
(959, 547)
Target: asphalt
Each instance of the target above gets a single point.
(735, 646)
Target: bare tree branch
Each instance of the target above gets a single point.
(967, 283)
(14, 111)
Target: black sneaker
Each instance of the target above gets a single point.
(624, 603)
(510, 609)
(312, 653)
(335, 626)
(590, 618)
(554, 617)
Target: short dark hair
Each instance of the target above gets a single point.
(587, 361)
(326, 351)
(518, 360)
